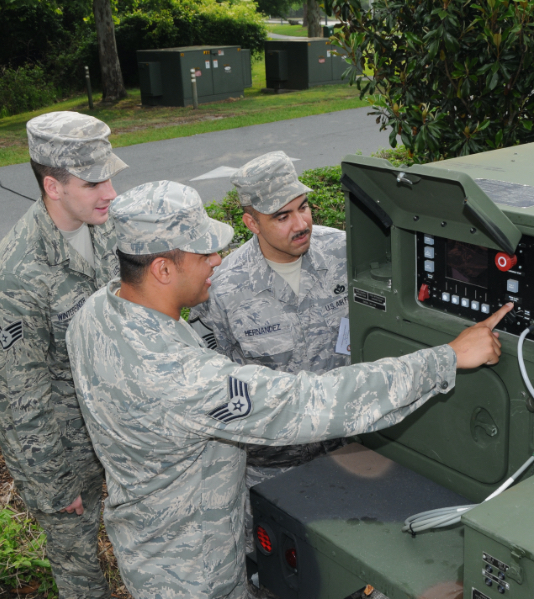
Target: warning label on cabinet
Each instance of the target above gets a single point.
(369, 299)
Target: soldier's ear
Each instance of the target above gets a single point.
(250, 223)
(52, 187)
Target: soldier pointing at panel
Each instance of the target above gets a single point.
(167, 415)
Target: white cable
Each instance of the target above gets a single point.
(446, 516)
(522, 362)
(451, 515)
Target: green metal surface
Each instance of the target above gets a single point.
(449, 439)
(501, 528)
(305, 63)
(219, 74)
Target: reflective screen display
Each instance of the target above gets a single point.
(467, 263)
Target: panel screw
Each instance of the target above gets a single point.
(443, 223)
(416, 218)
(472, 230)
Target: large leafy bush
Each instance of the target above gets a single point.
(451, 77)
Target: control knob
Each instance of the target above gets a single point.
(504, 261)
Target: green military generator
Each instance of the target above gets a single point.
(431, 250)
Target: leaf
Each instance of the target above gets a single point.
(494, 80)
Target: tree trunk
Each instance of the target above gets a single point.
(305, 13)
(112, 83)
(314, 19)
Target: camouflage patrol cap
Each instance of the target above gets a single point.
(76, 142)
(268, 182)
(162, 216)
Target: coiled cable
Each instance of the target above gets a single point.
(451, 515)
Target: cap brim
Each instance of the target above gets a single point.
(288, 193)
(218, 236)
(98, 172)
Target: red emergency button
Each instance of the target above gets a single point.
(424, 293)
(504, 261)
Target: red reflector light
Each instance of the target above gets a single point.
(264, 539)
(291, 558)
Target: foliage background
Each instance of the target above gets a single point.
(47, 43)
(450, 77)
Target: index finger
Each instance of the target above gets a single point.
(493, 320)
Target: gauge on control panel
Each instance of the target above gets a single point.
(473, 281)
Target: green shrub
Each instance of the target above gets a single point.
(186, 24)
(25, 88)
(22, 553)
(450, 77)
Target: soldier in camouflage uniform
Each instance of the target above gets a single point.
(254, 316)
(44, 281)
(167, 415)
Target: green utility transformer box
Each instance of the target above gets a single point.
(302, 63)
(431, 250)
(165, 75)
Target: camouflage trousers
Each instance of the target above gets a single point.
(71, 545)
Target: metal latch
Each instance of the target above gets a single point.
(515, 572)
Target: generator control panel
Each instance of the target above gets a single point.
(472, 281)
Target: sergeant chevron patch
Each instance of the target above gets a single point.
(10, 334)
(204, 331)
(239, 405)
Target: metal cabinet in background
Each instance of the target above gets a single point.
(302, 63)
(165, 74)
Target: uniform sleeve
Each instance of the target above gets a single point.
(31, 430)
(253, 404)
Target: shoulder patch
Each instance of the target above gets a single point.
(239, 404)
(204, 331)
(11, 334)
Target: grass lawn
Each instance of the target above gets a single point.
(132, 123)
(296, 30)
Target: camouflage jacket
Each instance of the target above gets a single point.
(254, 317)
(167, 416)
(43, 283)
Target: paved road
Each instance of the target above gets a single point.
(316, 141)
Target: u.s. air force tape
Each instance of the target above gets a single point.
(239, 404)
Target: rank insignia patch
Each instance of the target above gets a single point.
(205, 332)
(239, 404)
(10, 334)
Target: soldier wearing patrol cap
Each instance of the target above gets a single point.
(56, 256)
(167, 415)
(279, 299)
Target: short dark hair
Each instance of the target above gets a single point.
(134, 267)
(252, 211)
(41, 171)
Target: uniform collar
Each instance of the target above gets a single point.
(149, 318)
(263, 277)
(57, 247)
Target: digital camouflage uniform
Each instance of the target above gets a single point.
(254, 317)
(43, 283)
(167, 417)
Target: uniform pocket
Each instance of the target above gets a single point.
(267, 341)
